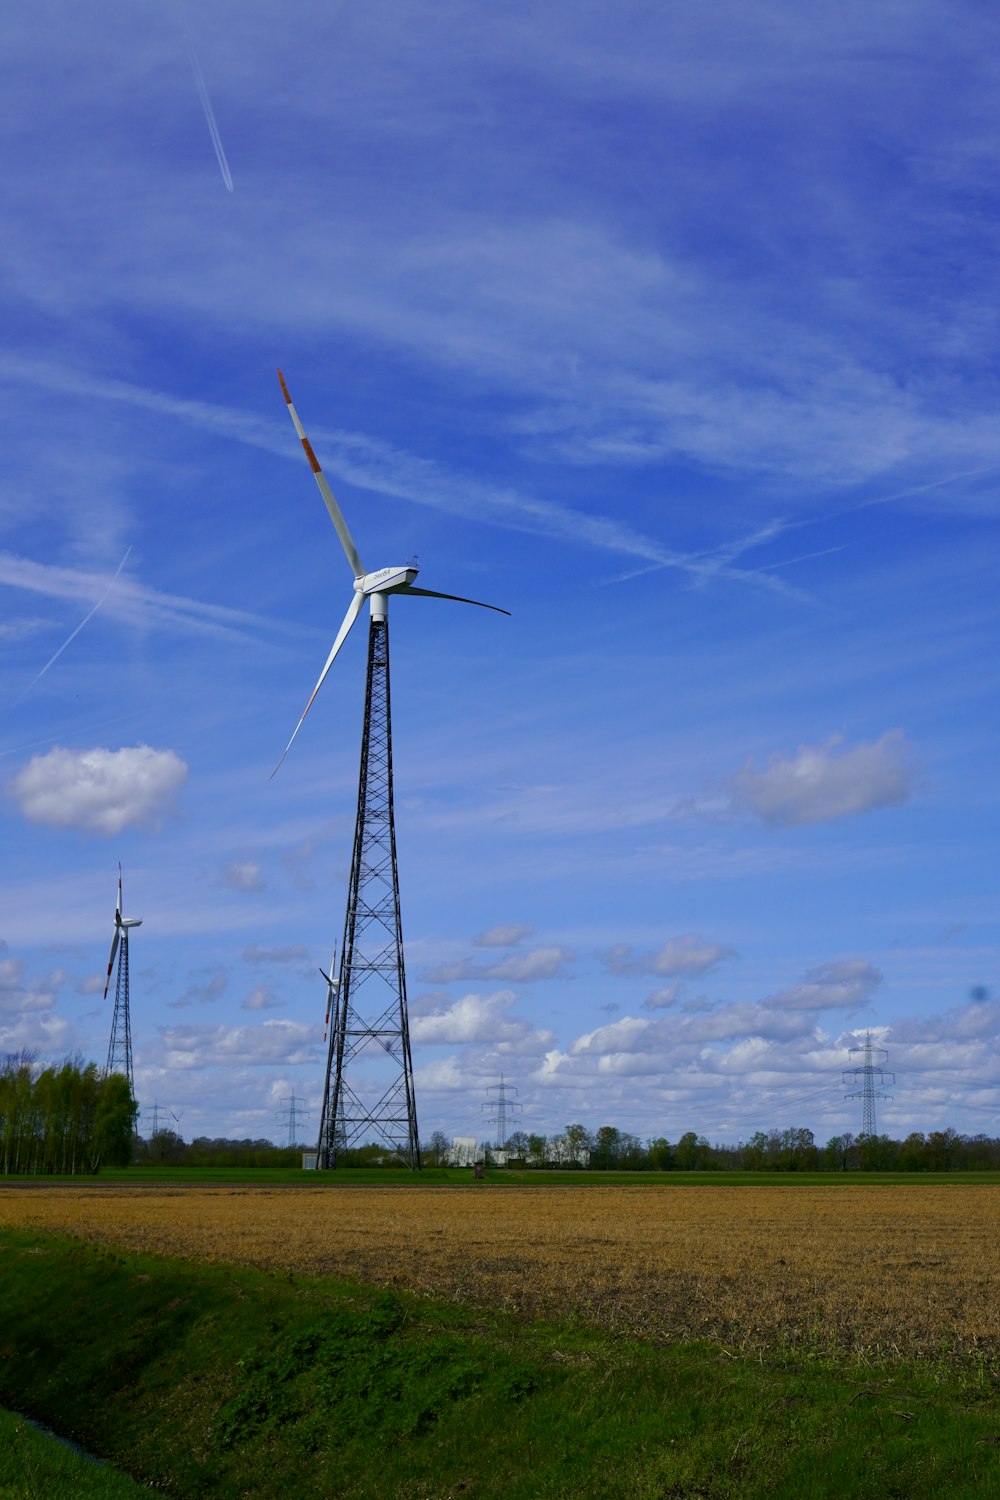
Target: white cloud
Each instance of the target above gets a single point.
(212, 987)
(516, 968)
(20, 996)
(630, 1034)
(504, 936)
(821, 783)
(845, 984)
(282, 1043)
(476, 1018)
(99, 791)
(262, 998)
(663, 999)
(686, 954)
(45, 1033)
(243, 875)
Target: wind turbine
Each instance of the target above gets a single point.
(120, 1046)
(369, 996)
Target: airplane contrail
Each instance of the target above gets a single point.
(206, 105)
(76, 632)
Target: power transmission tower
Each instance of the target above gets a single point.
(291, 1116)
(370, 1015)
(499, 1109)
(157, 1108)
(872, 1076)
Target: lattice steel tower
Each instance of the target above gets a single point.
(120, 1045)
(370, 1012)
(872, 1077)
(500, 1107)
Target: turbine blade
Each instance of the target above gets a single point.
(336, 515)
(331, 986)
(111, 960)
(353, 610)
(118, 908)
(458, 598)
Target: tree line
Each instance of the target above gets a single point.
(165, 1148)
(69, 1118)
(791, 1150)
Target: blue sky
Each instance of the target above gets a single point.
(671, 329)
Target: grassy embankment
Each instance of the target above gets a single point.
(227, 1382)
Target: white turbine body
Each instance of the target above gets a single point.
(375, 587)
(122, 924)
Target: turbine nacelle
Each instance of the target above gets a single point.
(386, 580)
(122, 924)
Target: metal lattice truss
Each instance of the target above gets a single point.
(370, 1015)
(120, 1046)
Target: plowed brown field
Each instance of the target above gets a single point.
(889, 1270)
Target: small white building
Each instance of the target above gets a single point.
(463, 1151)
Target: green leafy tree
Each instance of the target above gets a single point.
(606, 1143)
(661, 1155)
(538, 1150)
(114, 1123)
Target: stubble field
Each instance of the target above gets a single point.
(878, 1272)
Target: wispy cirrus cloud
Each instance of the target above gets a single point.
(288, 953)
(243, 875)
(507, 935)
(516, 968)
(376, 465)
(131, 602)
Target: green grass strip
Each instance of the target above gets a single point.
(540, 1177)
(208, 1381)
(35, 1466)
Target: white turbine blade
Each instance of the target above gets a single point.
(118, 907)
(336, 515)
(111, 960)
(458, 598)
(331, 987)
(353, 610)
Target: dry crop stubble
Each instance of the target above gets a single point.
(877, 1270)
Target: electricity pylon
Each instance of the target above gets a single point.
(499, 1108)
(872, 1077)
(291, 1115)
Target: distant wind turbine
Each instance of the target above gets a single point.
(120, 1045)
